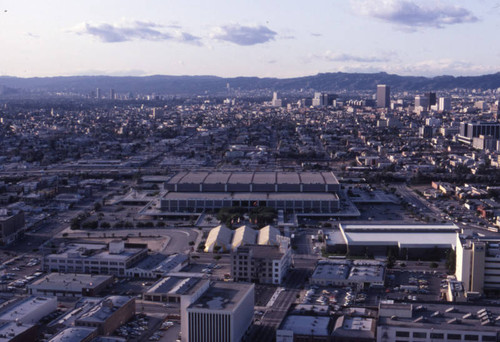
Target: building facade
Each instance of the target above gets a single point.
(95, 258)
(383, 96)
(303, 192)
(478, 264)
(11, 225)
(261, 264)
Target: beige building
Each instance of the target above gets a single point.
(264, 264)
(478, 264)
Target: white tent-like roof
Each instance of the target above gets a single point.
(218, 236)
(268, 236)
(244, 235)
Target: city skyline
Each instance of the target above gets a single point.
(278, 39)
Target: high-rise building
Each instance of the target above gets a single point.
(218, 311)
(276, 101)
(111, 94)
(422, 101)
(383, 96)
(323, 99)
(470, 130)
(98, 93)
(444, 104)
(432, 98)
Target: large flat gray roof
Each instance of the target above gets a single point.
(217, 178)
(69, 281)
(448, 316)
(307, 325)
(246, 196)
(224, 296)
(257, 177)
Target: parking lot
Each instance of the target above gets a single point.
(414, 286)
(18, 272)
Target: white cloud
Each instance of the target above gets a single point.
(136, 30)
(411, 14)
(345, 57)
(244, 35)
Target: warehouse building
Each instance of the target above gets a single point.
(301, 192)
(413, 240)
(70, 285)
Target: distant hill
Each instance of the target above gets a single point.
(189, 85)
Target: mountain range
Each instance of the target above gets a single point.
(192, 85)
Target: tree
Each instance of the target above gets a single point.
(391, 258)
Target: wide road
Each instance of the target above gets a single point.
(265, 331)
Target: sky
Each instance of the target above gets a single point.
(264, 38)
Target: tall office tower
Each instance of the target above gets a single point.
(383, 96)
(111, 94)
(444, 104)
(422, 101)
(98, 93)
(432, 98)
(323, 99)
(276, 101)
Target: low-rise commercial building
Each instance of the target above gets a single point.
(157, 266)
(108, 315)
(113, 259)
(297, 328)
(413, 240)
(29, 310)
(70, 285)
(75, 334)
(354, 273)
(18, 332)
(437, 322)
(170, 289)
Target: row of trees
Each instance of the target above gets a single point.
(261, 216)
